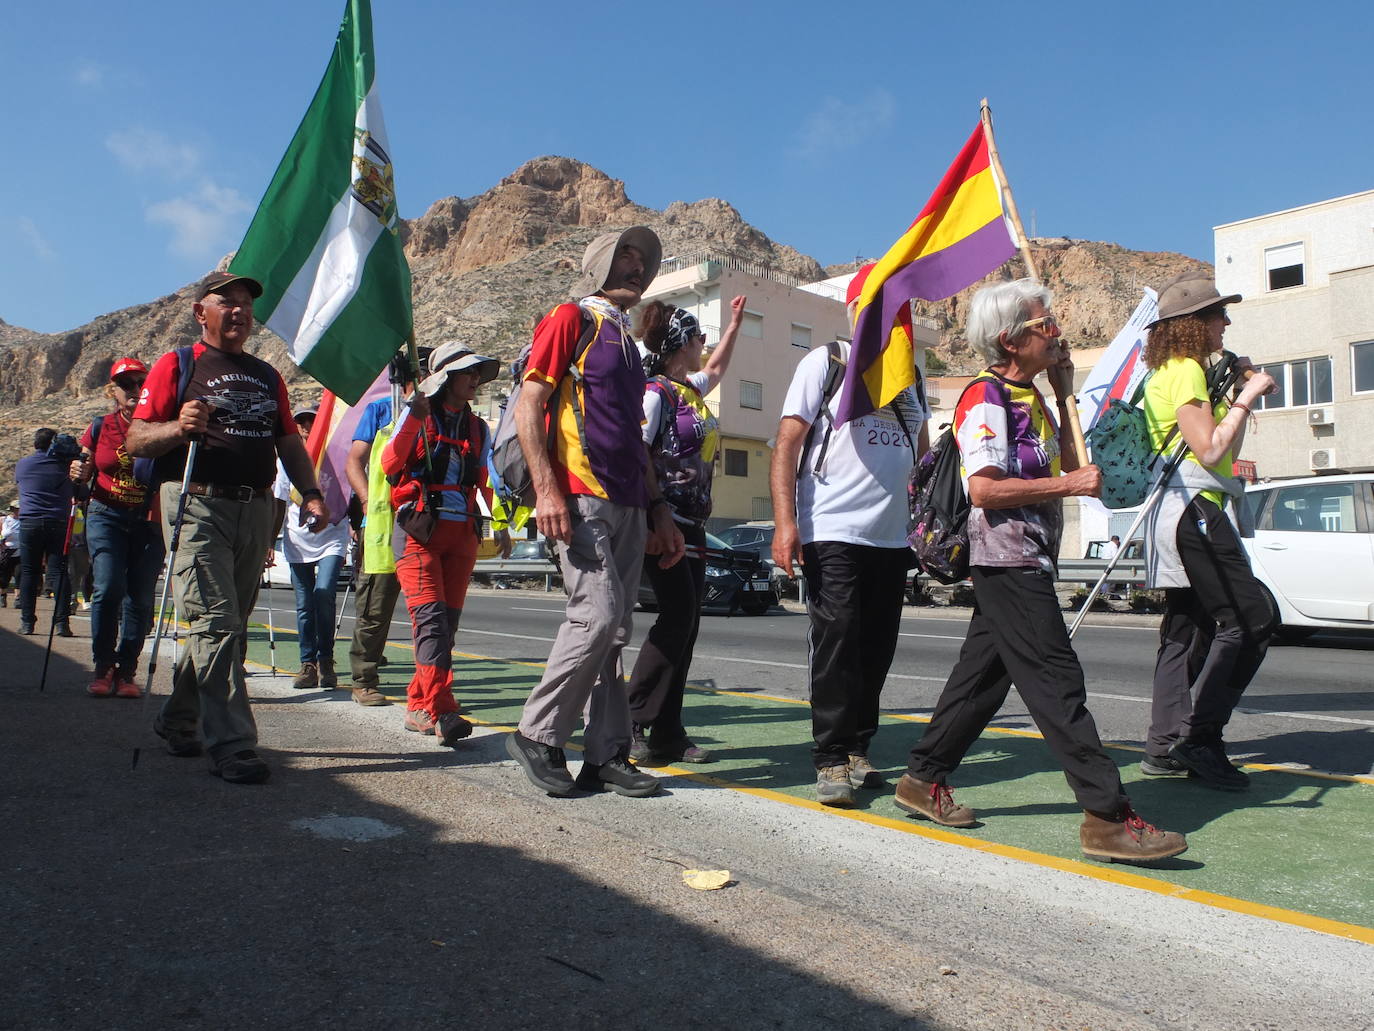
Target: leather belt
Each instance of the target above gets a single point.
(227, 492)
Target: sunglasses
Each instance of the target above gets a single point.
(129, 386)
(1049, 322)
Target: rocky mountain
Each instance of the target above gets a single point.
(485, 269)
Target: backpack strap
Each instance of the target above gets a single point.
(834, 377)
(97, 424)
(591, 327)
(663, 386)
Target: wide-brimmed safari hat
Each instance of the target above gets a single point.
(1190, 292)
(600, 253)
(455, 357)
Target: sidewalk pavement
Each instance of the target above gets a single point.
(378, 880)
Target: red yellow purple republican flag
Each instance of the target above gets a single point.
(958, 238)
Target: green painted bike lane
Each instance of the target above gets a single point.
(1297, 842)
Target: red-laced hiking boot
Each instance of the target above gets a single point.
(103, 686)
(1127, 839)
(933, 801)
(125, 687)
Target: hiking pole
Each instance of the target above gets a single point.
(191, 450)
(1156, 492)
(271, 627)
(57, 598)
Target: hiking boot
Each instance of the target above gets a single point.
(184, 744)
(307, 678)
(419, 722)
(1207, 760)
(544, 765)
(329, 680)
(1127, 839)
(680, 751)
(370, 696)
(1162, 766)
(450, 728)
(618, 775)
(104, 683)
(639, 746)
(64, 629)
(833, 787)
(933, 801)
(241, 768)
(862, 773)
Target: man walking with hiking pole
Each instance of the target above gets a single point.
(236, 407)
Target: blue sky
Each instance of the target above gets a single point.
(140, 139)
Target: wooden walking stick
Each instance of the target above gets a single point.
(1080, 449)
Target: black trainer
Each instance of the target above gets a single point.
(1207, 760)
(544, 765)
(182, 743)
(618, 775)
(450, 728)
(1162, 766)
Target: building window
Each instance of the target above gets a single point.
(1283, 266)
(751, 395)
(736, 462)
(1303, 382)
(751, 326)
(801, 337)
(1362, 366)
(763, 508)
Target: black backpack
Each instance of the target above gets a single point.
(939, 506)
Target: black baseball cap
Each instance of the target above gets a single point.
(217, 281)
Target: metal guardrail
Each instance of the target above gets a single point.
(530, 568)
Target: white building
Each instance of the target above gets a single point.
(1307, 276)
(784, 320)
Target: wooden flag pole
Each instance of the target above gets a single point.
(1080, 448)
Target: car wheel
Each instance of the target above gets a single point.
(758, 606)
(1286, 634)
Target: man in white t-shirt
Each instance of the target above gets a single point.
(840, 508)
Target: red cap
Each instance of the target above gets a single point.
(127, 365)
(857, 283)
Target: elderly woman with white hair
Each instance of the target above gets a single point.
(1013, 452)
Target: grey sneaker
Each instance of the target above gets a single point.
(862, 773)
(833, 787)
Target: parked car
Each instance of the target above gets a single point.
(534, 552)
(1135, 549)
(735, 581)
(757, 537)
(1313, 550)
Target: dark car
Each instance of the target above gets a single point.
(534, 553)
(758, 538)
(736, 581)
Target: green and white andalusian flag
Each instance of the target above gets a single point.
(324, 241)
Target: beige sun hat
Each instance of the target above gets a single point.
(597, 258)
(1190, 292)
(452, 357)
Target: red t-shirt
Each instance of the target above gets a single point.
(114, 466)
(249, 411)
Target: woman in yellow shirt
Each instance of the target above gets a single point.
(1217, 619)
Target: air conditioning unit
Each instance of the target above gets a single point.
(1319, 417)
(1322, 459)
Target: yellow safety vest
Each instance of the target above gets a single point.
(380, 520)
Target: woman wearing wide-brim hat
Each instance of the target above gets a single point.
(437, 460)
(1217, 620)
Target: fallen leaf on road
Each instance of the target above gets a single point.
(705, 880)
(436, 941)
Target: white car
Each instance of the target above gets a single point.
(1314, 550)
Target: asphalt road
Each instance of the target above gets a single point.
(1311, 707)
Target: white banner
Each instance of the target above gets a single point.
(1121, 368)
